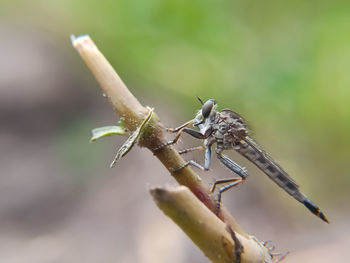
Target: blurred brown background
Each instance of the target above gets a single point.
(283, 65)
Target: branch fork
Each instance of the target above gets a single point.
(192, 207)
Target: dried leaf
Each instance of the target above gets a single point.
(130, 142)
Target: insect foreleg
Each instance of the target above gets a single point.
(186, 124)
(194, 133)
(179, 131)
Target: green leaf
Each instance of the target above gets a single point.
(100, 132)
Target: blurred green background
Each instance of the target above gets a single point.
(283, 65)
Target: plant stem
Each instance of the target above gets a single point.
(133, 113)
(205, 229)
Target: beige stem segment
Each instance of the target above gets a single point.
(124, 103)
(219, 243)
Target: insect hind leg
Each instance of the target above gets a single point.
(234, 167)
(233, 182)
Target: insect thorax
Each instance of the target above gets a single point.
(228, 129)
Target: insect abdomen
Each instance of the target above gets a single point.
(253, 153)
(314, 209)
(270, 168)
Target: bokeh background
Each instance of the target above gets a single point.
(283, 65)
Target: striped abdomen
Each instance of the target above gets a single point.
(253, 152)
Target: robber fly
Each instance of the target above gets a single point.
(229, 131)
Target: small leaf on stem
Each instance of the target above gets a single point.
(129, 143)
(100, 132)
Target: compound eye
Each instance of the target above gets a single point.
(206, 109)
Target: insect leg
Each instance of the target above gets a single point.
(234, 167)
(194, 133)
(233, 181)
(170, 142)
(223, 181)
(190, 163)
(198, 148)
(183, 128)
(186, 124)
(207, 158)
